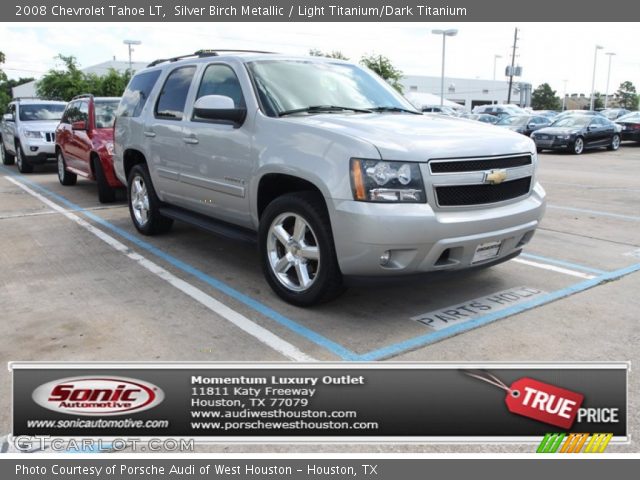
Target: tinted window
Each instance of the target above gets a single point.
(41, 112)
(173, 96)
(221, 80)
(137, 93)
(70, 113)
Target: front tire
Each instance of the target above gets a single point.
(297, 251)
(106, 193)
(144, 204)
(66, 178)
(578, 146)
(23, 164)
(615, 143)
(7, 158)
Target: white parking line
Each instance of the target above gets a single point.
(262, 334)
(554, 268)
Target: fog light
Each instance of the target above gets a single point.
(33, 149)
(385, 257)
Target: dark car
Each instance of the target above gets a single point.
(84, 144)
(524, 124)
(577, 133)
(614, 113)
(630, 125)
(481, 117)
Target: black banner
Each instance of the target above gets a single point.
(337, 401)
(312, 11)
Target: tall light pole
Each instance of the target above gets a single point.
(564, 97)
(495, 58)
(593, 78)
(129, 43)
(606, 93)
(445, 33)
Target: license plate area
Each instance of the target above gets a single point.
(486, 251)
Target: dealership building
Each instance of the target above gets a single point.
(470, 92)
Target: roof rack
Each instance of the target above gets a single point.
(201, 54)
(83, 95)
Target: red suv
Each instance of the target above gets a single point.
(84, 143)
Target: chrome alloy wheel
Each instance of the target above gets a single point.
(578, 146)
(140, 200)
(293, 252)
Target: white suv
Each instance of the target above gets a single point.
(331, 171)
(28, 132)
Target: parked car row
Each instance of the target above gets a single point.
(77, 135)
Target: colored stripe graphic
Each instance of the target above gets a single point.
(598, 442)
(574, 443)
(550, 443)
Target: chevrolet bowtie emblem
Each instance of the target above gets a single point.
(495, 177)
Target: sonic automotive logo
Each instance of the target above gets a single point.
(98, 396)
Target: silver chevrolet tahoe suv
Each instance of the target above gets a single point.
(332, 172)
(28, 132)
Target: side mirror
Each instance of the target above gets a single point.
(8, 117)
(219, 108)
(79, 125)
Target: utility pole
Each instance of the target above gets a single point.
(513, 63)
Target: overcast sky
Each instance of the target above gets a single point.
(548, 52)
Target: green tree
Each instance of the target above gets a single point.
(544, 98)
(71, 81)
(383, 67)
(598, 102)
(314, 52)
(627, 96)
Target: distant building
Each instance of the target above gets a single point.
(29, 89)
(470, 92)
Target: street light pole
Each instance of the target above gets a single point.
(564, 97)
(445, 33)
(606, 93)
(593, 78)
(128, 43)
(495, 58)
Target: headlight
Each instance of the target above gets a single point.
(379, 181)
(563, 137)
(109, 147)
(32, 134)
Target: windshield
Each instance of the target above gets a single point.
(41, 112)
(573, 121)
(513, 121)
(106, 112)
(286, 85)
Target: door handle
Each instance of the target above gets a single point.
(191, 139)
(149, 134)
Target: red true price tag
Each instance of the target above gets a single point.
(543, 402)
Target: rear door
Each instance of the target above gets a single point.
(165, 134)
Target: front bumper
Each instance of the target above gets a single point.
(421, 240)
(554, 143)
(38, 151)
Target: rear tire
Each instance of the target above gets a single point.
(106, 193)
(66, 178)
(297, 251)
(7, 158)
(144, 204)
(23, 164)
(615, 142)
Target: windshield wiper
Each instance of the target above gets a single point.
(394, 109)
(323, 108)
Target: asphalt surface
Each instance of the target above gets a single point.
(67, 295)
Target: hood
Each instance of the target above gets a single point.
(40, 125)
(401, 136)
(557, 131)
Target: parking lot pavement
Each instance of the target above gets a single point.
(70, 293)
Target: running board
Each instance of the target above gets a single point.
(209, 224)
